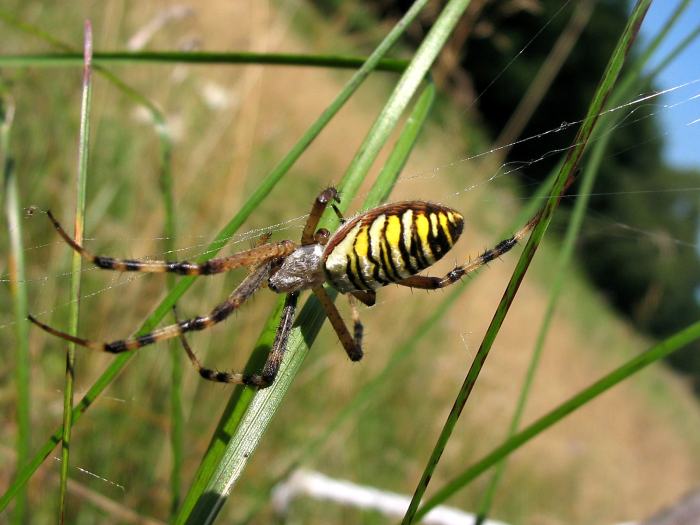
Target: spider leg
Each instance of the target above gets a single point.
(326, 197)
(357, 328)
(267, 376)
(433, 283)
(352, 346)
(244, 290)
(250, 257)
(366, 297)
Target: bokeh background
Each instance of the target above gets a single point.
(634, 278)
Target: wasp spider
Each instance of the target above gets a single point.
(388, 244)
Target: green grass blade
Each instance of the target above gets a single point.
(403, 147)
(564, 177)
(624, 90)
(263, 406)
(76, 267)
(199, 57)
(166, 305)
(660, 350)
(260, 412)
(18, 290)
(223, 459)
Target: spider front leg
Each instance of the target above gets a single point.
(274, 359)
(250, 257)
(248, 287)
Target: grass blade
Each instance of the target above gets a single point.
(18, 289)
(264, 405)
(564, 178)
(103, 58)
(76, 267)
(660, 350)
(625, 89)
(222, 462)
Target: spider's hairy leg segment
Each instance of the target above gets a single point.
(366, 297)
(353, 350)
(274, 359)
(279, 346)
(250, 257)
(324, 198)
(68, 337)
(433, 283)
(244, 290)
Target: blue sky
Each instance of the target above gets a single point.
(682, 137)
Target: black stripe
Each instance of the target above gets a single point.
(386, 254)
(360, 275)
(180, 268)
(131, 265)
(103, 262)
(350, 274)
(116, 347)
(377, 267)
(439, 245)
(146, 340)
(404, 250)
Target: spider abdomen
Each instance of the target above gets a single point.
(389, 243)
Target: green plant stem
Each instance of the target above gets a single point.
(18, 289)
(264, 405)
(564, 179)
(76, 268)
(631, 367)
(224, 461)
(104, 58)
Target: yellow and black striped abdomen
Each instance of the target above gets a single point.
(389, 243)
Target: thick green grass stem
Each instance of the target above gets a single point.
(660, 350)
(564, 178)
(213, 496)
(106, 58)
(600, 141)
(225, 469)
(265, 404)
(76, 266)
(18, 289)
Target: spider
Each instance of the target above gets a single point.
(387, 244)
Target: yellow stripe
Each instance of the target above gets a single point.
(423, 229)
(445, 228)
(362, 242)
(393, 237)
(434, 225)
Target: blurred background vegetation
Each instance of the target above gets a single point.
(635, 276)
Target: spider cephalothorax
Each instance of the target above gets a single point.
(385, 245)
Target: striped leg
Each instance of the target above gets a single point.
(244, 290)
(432, 283)
(274, 359)
(352, 346)
(250, 257)
(357, 328)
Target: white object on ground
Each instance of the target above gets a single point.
(321, 487)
